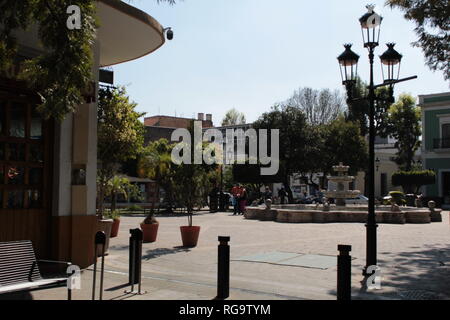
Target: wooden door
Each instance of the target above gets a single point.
(25, 172)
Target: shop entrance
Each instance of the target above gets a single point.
(25, 171)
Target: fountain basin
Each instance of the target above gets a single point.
(349, 214)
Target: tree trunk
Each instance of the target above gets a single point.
(156, 197)
(113, 201)
(101, 201)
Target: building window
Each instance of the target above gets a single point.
(22, 150)
(445, 135)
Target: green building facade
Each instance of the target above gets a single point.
(436, 143)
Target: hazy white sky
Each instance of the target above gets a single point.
(250, 54)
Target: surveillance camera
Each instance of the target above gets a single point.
(169, 34)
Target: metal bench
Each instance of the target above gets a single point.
(19, 269)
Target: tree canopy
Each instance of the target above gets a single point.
(358, 108)
(61, 74)
(404, 126)
(120, 135)
(411, 181)
(233, 117)
(432, 28)
(319, 106)
(342, 142)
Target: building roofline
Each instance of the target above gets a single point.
(434, 99)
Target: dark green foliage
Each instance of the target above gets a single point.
(398, 198)
(63, 72)
(291, 122)
(358, 109)
(343, 143)
(432, 28)
(411, 181)
(251, 173)
(120, 135)
(404, 126)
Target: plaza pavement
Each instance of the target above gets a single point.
(414, 261)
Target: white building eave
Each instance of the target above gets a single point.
(126, 33)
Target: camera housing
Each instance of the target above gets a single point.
(169, 34)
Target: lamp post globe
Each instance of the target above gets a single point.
(390, 63)
(370, 27)
(348, 63)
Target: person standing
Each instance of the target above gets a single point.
(235, 194)
(267, 194)
(282, 194)
(242, 200)
(213, 200)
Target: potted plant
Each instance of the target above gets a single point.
(189, 233)
(193, 184)
(115, 216)
(149, 227)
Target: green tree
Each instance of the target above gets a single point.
(291, 121)
(120, 186)
(193, 181)
(342, 142)
(404, 126)
(412, 181)
(432, 28)
(233, 117)
(63, 71)
(358, 108)
(155, 163)
(120, 135)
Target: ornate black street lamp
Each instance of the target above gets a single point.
(390, 60)
(390, 64)
(348, 62)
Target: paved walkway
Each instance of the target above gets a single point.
(414, 260)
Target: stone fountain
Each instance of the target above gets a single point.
(341, 179)
(312, 213)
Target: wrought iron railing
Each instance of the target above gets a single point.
(441, 143)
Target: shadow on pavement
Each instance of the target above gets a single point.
(414, 275)
(155, 253)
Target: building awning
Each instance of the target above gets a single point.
(126, 33)
(136, 179)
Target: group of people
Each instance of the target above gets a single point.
(239, 199)
(282, 194)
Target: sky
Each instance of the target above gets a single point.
(251, 54)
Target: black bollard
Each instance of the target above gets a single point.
(139, 240)
(100, 239)
(223, 269)
(344, 273)
(135, 262)
(132, 262)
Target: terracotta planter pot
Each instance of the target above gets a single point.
(189, 235)
(150, 231)
(115, 228)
